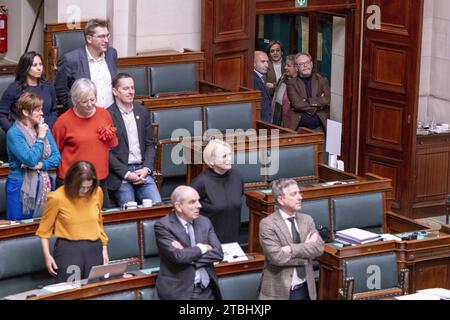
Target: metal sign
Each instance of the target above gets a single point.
(301, 3)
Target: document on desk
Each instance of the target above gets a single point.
(232, 252)
(438, 292)
(418, 296)
(25, 295)
(54, 288)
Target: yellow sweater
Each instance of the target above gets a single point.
(73, 219)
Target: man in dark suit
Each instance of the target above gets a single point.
(310, 97)
(96, 61)
(131, 162)
(261, 66)
(188, 247)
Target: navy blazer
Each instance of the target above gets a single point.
(176, 276)
(75, 65)
(266, 103)
(118, 156)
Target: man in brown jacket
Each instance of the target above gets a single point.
(309, 95)
(289, 241)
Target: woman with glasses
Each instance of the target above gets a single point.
(85, 132)
(73, 215)
(275, 51)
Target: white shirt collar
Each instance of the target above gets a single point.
(284, 215)
(122, 111)
(91, 58)
(182, 221)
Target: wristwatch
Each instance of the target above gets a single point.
(149, 171)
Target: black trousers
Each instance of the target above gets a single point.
(76, 258)
(102, 183)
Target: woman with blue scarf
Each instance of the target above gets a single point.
(32, 151)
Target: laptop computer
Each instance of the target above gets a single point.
(106, 272)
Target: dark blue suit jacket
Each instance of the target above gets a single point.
(75, 65)
(118, 157)
(177, 267)
(266, 103)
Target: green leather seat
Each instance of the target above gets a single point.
(364, 211)
(147, 293)
(292, 162)
(140, 77)
(229, 116)
(123, 242)
(241, 286)
(22, 265)
(318, 210)
(371, 270)
(149, 248)
(68, 41)
(173, 78)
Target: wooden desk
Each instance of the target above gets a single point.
(144, 281)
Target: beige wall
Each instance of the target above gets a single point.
(337, 71)
(434, 100)
(20, 22)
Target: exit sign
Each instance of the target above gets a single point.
(301, 3)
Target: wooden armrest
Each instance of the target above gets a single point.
(207, 87)
(176, 94)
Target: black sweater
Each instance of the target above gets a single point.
(221, 200)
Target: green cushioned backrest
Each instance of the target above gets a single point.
(169, 167)
(147, 293)
(139, 75)
(318, 210)
(5, 81)
(2, 198)
(362, 211)
(245, 213)
(167, 78)
(241, 286)
(24, 283)
(248, 164)
(174, 119)
(123, 240)
(148, 238)
(21, 256)
(292, 162)
(372, 272)
(229, 116)
(127, 295)
(68, 41)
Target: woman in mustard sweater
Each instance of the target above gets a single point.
(73, 214)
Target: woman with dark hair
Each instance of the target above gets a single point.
(32, 151)
(73, 215)
(275, 52)
(28, 79)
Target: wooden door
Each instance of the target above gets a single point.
(228, 40)
(389, 95)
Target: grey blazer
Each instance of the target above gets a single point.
(118, 157)
(177, 267)
(75, 65)
(279, 266)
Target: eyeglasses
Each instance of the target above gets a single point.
(102, 36)
(303, 64)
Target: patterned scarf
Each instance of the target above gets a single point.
(36, 183)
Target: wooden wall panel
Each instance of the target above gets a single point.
(228, 40)
(389, 90)
(432, 175)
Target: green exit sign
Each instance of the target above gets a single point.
(301, 3)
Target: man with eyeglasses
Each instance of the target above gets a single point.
(96, 61)
(309, 94)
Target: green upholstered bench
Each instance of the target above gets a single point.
(68, 41)
(22, 265)
(140, 77)
(376, 276)
(126, 295)
(242, 286)
(319, 211)
(123, 242)
(147, 293)
(364, 211)
(230, 116)
(169, 79)
(293, 162)
(150, 258)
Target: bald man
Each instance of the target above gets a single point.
(261, 66)
(188, 247)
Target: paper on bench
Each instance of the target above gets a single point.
(418, 296)
(63, 286)
(232, 252)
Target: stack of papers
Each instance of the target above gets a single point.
(355, 236)
(428, 294)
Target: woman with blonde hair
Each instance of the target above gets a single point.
(221, 189)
